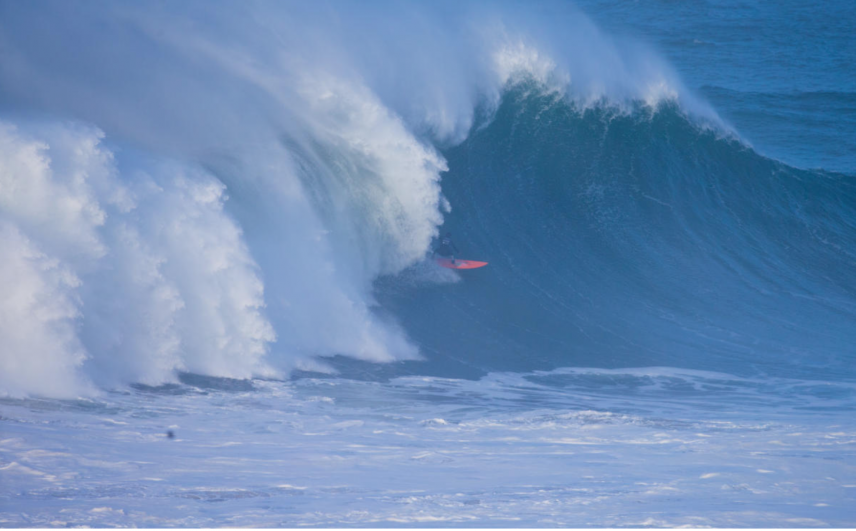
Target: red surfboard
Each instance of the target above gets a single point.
(459, 264)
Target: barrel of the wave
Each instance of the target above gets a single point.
(454, 263)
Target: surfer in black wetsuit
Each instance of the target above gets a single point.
(447, 247)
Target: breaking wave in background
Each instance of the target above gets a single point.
(252, 190)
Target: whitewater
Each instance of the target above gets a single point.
(218, 307)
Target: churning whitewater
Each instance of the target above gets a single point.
(216, 221)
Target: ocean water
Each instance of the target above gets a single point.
(218, 307)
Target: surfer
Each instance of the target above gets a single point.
(447, 247)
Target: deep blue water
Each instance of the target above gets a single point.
(780, 72)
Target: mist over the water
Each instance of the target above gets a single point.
(216, 189)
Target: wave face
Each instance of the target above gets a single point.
(622, 239)
(251, 190)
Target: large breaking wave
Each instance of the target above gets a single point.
(639, 238)
(265, 164)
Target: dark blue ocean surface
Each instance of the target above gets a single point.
(782, 73)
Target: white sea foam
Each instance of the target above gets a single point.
(38, 310)
(131, 279)
(484, 453)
